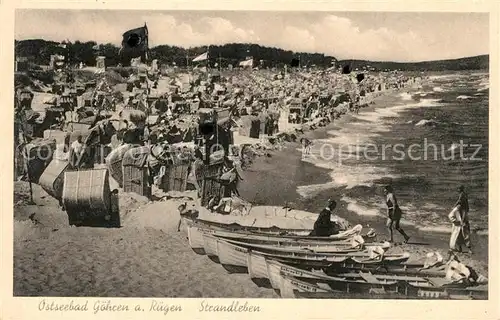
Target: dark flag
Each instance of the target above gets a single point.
(135, 42)
(295, 63)
(360, 77)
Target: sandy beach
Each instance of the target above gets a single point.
(147, 257)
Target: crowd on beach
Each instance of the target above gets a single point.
(264, 94)
(166, 106)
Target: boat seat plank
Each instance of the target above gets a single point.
(438, 282)
(368, 277)
(324, 286)
(382, 277)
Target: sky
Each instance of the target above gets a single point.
(377, 36)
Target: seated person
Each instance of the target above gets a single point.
(224, 206)
(324, 227)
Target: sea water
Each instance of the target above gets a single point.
(442, 134)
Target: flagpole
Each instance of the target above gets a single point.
(25, 152)
(208, 59)
(147, 43)
(208, 62)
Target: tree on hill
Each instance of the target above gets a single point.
(39, 51)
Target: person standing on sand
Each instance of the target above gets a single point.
(463, 201)
(394, 213)
(456, 238)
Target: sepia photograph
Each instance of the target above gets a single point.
(244, 154)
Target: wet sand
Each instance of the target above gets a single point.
(279, 176)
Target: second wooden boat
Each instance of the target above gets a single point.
(276, 231)
(233, 255)
(353, 243)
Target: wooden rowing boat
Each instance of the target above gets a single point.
(456, 282)
(406, 269)
(292, 287)
(233, 255)
(264, 271)
(273, 268)
(326, 249)
(449, 294)
(355, 243)
(292, 234)
(348, 239)
(363, 277)
(353, 269)
(296, 234)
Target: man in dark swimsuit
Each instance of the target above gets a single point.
(394, 213)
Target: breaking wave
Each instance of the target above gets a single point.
(405, 96)
(345, 142)
(427, 123)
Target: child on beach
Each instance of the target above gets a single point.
(394, 213)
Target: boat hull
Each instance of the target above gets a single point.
(292, 287)
(257, 269)
(282, 233)
(232, 258)
(353, 242)
(196, 240)
(210, 248)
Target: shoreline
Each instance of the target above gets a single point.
(421, 242)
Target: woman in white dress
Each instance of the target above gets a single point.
(456, 238)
